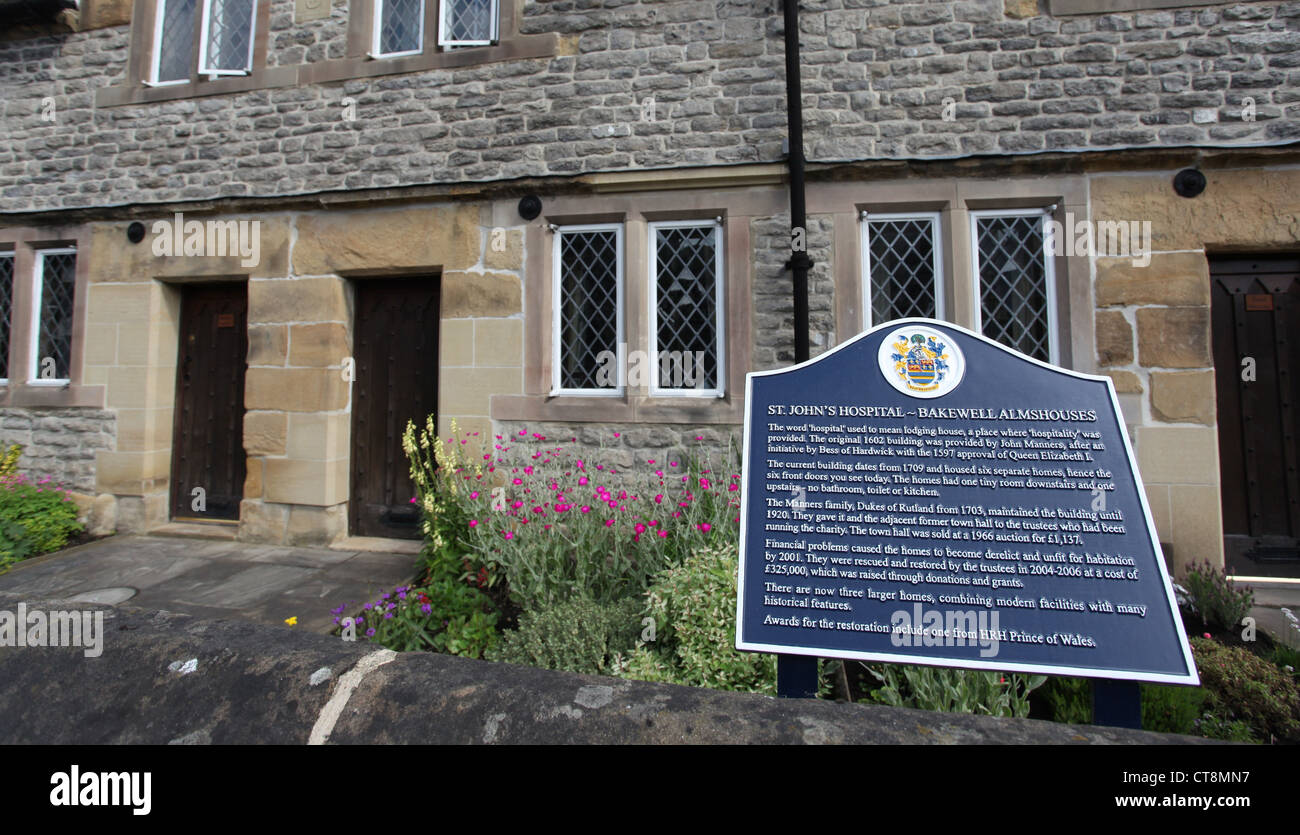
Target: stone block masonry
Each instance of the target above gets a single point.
(649, 85)
(59, 444)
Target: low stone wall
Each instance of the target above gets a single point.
(168, 678)
(60, 444)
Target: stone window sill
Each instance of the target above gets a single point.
(632, 409)
(51, 396)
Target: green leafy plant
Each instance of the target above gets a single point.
(557, 525)
(446, 611)
(1244, 687)
(1069, 699)
(694, 611)
(35, 518)
(1219, 603)
(578, 635)
(1172, 710)
(9, 460)
(954, 691)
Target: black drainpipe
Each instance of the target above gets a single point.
(799, 261)
(796, 675)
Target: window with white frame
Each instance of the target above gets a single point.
(1015, 281)
(686, 307)
(6, 310)
(52, 306)
(226, 40)
(468, 22)
(399, 28)
(587, 303)
(902, 267)
(173, 41)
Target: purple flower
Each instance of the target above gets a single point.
(370, 605)
(388, 616)
(426, 608)
(370, 633)
(401, 595)
(337, 611)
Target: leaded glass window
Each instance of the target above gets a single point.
(6, 309)
(227, 45)
(399, 27)
(467, 22)
(56, 282)
(173, 40)
(686, 306)
(1015, 277)
(588, 304)
(902, 266)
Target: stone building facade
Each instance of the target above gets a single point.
(941, 136)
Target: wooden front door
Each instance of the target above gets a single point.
(208, 432)
(395, 346)
(1256, 324)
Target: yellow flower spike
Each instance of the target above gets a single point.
(293, 621)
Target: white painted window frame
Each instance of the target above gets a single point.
(652, 236)
(444, 41)
(378, 26)
(940, 286)
(204, 69)
(1044, 214)
(38, 291)
(160, 12)
(4, 361)
(557, 390)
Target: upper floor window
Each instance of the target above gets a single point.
(399, 28)
(588, 339)
(686, 308)
(468, 22)
(52, 316)
(226, 44)
(173, 41)
(226, 31)
(902, 266)
(399, 25)
(1015, 281)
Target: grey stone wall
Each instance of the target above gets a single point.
(876, 75)
(59, 444)
(774, 290)
(627, 447)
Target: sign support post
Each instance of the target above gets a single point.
(796, 676)
(1116, 703)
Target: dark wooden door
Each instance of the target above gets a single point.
(1256, 323)
(395, 346)
(208, 436)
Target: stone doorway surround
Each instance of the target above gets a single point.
(297, 400)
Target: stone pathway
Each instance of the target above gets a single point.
(214, 578)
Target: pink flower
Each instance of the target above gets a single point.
(1207, 634)
(473, 523)
(663, 534)
(474, 495)
(582, 481)
(518, 481)
(609, 523)
(659, 498)
(704, 526)
(509, 534)
(639, 528)
(586, 508)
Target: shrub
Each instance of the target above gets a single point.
(9, 460)
(1220, 604)
(954, 691)
(1172, 710)
(578, 635)
(1244, 687)
(560, 526)
(445, 612)
(1069, 699)
(694, 611)
(34, 518)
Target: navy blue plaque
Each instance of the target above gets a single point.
(924, 495)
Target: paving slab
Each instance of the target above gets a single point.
(216, 578)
